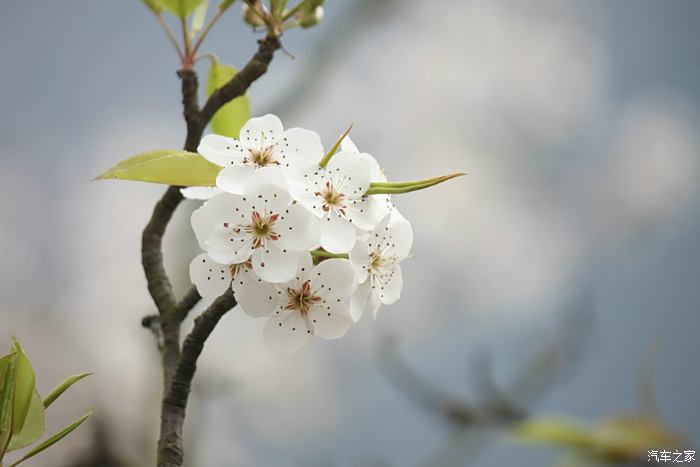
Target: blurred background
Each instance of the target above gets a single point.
(558, 278)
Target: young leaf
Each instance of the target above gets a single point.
(24, 389)
(34, 425)
(154, 5)
(395, 188)
(54, 439)
(200, 14)
(61, 388)
(180, 8)
(168, 166)
(229, 119)
(7, 393)
(556, 431)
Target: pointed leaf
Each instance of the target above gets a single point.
(154, 5)
(61, 388)
(7, 401)
(554, 430)
(55, 438)
(180, 8)
(331, 152)
(168, 166)
(229, 119)
(34, 425)
(24, 389)
(395, 188)
(200, 14)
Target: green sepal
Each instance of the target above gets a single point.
(395, 188)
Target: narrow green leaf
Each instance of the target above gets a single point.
(331, 152)
(394, 188)
(328, 254)
(61, 388)
(34, 425)
(7, 401)
(24, 389)
(229, 119)
(55, 438)
(154, 5)
(180, 8)
(168, 166)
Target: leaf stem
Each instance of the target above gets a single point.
(331, 152)
(377, 188)
(328, 254)
(206, 31)
(171, 36)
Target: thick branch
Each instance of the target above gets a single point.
(240, 83)
(170, 453)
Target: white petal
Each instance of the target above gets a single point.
(400, 237)
(389, 289)
(334, 278)
(262, 131)
(304, 193)
(267, 191)
(221, 150)
(349, 173)
(298, 229)
(330, 321)
(233, 178)
(227, 246)
(200, 192)
(275, 265)
(375, 171)
(366, 212)
(359, 258)
(298, 143)
(257, 297)
(360, 300)
(287, 332)
(221, 208)
(337, 234)
(211, 278)
(348, 145)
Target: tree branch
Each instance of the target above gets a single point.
(170, 452)
(188, 302)
(238, 85)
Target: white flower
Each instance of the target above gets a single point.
(212, 279)
(262, 143)
(336, 195)
(200, 192)
(314, 303)
(261, 225)
(376, 260)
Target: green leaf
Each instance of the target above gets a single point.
(554, 430)
(229, 119)
(331, 152)
(34, 425)
(200, 14)
(7, 400)
(54, 439)
(168, 166)
(61, 388)
(394, 188)
(180, 8)
(24, 389)
(154, 5)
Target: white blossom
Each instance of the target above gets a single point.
(376, 261)
(336, 194)
(263, 142)
(262, 225)
(314, 303)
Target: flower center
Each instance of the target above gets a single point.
(379, 263)
(261, 228)
(302, 299)
(332, 198)
(262, 157)
(238, 267)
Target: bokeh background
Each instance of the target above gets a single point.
(569, 255)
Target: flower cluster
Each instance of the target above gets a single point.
(297, 233)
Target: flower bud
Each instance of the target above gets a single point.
(254, 15)
(310, 13)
